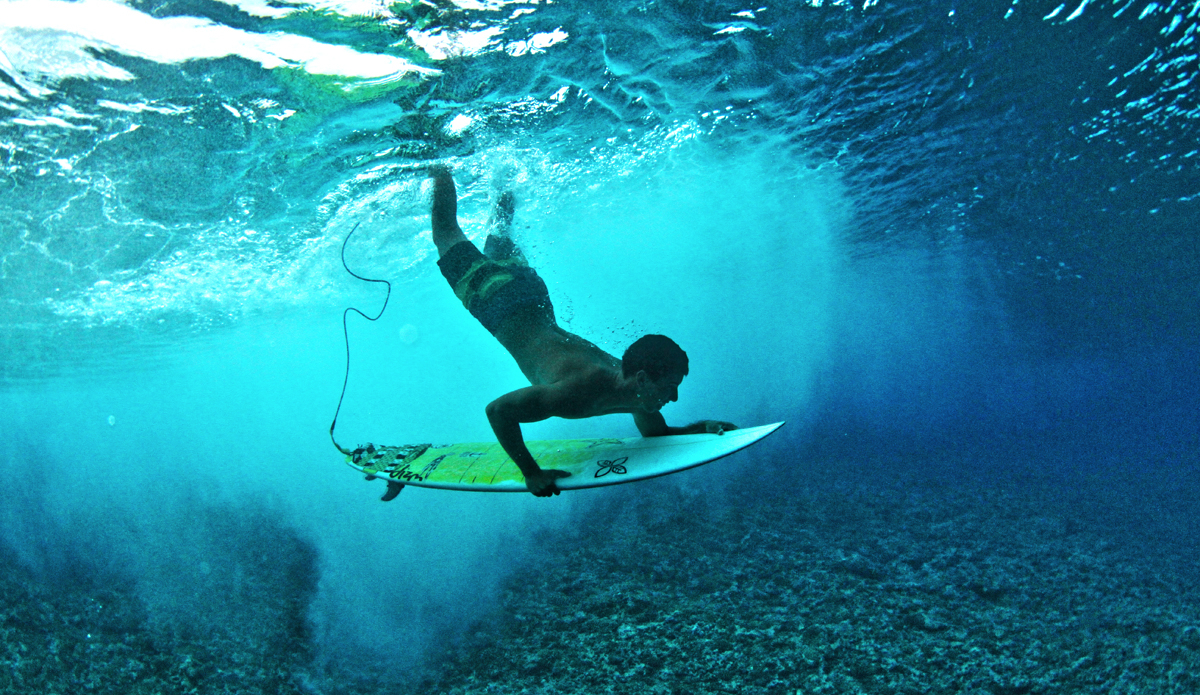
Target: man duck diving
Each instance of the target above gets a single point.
(569, 376)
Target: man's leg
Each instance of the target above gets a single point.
(446, 232)
(499, 245)
(502, 214)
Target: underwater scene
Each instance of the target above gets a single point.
(953, 244)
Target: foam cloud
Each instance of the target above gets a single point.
(56, 39)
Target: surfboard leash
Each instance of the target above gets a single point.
(346, 335)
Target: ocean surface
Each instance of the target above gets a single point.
(953, 244)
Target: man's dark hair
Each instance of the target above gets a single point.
(657, 355)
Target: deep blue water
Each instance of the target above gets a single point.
(954, 237)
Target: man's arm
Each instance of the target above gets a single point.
(655, 425)
(530, 404)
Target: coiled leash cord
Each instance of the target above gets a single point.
(346, 334)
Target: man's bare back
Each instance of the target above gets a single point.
(569, 377)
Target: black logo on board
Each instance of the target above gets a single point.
(616, 467)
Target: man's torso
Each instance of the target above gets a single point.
(549, 355)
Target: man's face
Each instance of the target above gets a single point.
(657, 393)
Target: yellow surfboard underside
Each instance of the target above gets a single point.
(484, 467)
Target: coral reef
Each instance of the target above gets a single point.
(840, 586)
(840, 589)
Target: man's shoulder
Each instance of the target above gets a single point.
(589, 382)
(583, 392)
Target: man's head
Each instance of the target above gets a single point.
(657, 355)
(658, 365)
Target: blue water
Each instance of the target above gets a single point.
(956, 239)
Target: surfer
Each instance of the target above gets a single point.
(569, 377)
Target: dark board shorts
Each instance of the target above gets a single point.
(495, 289)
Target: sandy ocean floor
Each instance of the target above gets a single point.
(878, 582)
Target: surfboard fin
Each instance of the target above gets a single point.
(393, 490)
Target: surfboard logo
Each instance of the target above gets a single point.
(616, 467)
(401, 472)
(429, 469)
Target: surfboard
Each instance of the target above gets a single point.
(484, 467)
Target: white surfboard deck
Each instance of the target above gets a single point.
(484, 467)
